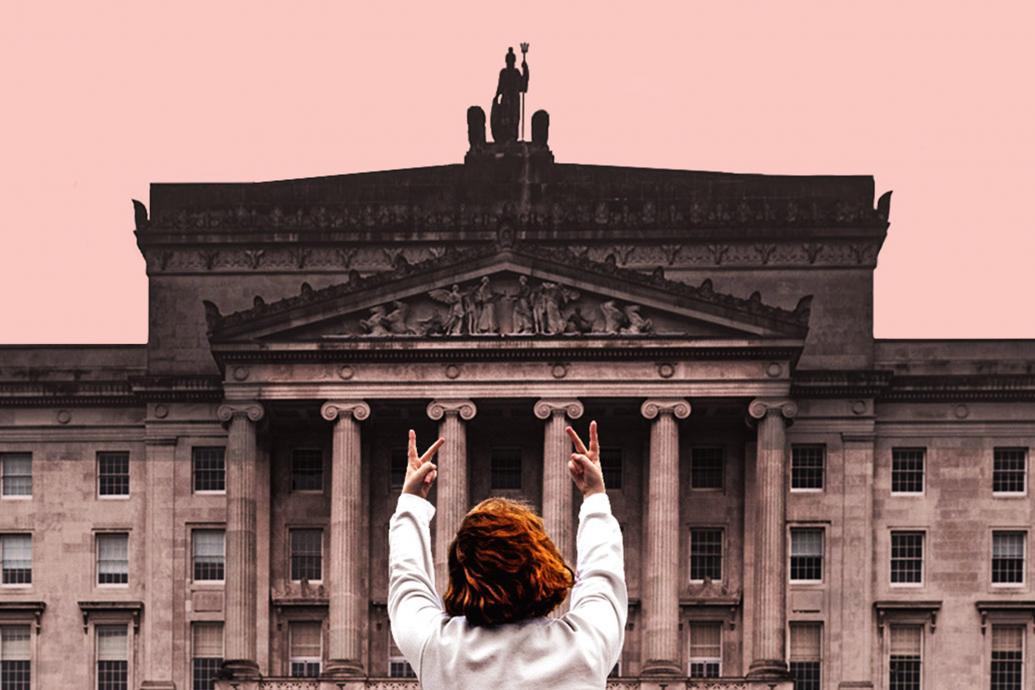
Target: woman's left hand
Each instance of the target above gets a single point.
(420, 471)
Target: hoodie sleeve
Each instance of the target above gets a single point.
(599, 599)
(414, 607)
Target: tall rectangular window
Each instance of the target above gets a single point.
(1008, 557)
(705, 650)
(206, 654)
(398, 667)
(1009, 470)
(306, 646)
(806, 554)
(113, 473)
(306, 554)
(706, 467)
(209, 468)
(397, 467)
(505, 468)
(907, 470)
(806, 655)
(706, 554)
(16, 559)
(15, 657)
(15, 475)
(208, 554)
(807, 467)
(1007, 657)
(307, 469)
(611, 466)
(112, 657)
(905, 655)
(112, 558)
(907, 557)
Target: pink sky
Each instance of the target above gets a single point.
(100, 99)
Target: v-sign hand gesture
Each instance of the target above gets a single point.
(420, 471)
(584, 464)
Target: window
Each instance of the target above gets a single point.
(705, 650)
(706, 554)
(904, 657)
(1008, 558)
(112, 558)
(907, 558)
(15, 475)
(15, 657)
(398, 667)
(305, 647)
(806, 554)
(207, 654)
(307, 469)
(208, 554)
(907, 470)
(611, 466)
(616, 670)
(397, 467)
(1007, 657)
(807, 467)
(505, 468)
(209, 468)
(306, 554)
(16, 559)
(706, 468)
(806, 655)
(112, 657)
(113, 474)
(1009, 470)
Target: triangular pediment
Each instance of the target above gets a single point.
(517, 292)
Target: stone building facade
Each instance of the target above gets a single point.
(799, 500)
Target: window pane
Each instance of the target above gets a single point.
(16, 478)
(706, 554)
(16, 559)
(705, 650)
(611, 465)
(1009, 470)
(806, 554)
(806, 675)
(305, 640)
(806, 641)
(904, 657)
(208, 545)
(1008, 557)
(907, 557)
(112, 559)
(397, 467)
(204, 672)
(807, 467)
(505, 468)
(207, 654)
(209, 468)
(111, 642)
(306, 554)
(113, 474)
(907, 470)
(14, 643)
(1007, 657)
(307, 469)
(16, 675)
(706, 466)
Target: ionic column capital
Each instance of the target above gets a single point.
(254, 411)
(332, 410)
(544, 409)
(760, 407)
(465, 409)
(678, 407)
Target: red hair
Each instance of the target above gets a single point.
(503, 567)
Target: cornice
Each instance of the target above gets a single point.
(817, 383)
(969, 388)
(135, 391)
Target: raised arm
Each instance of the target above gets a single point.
(414, 606)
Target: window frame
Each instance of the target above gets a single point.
(520, 468)
(397, 658)
(722, 552)
(292, 659)
(923, 556)
(393, 452)
(822, 646)
(129, 476)
(193, 651)
(1023, 625)
(691, 659)
(30, 627)
(923, 472)
(822, 469)
(32, 561)
(107, 621)
(4, 456)
(97, 537)
(619, 451)
(194, 472)
(194, 529)
(291, 530)
(822, 553)
(1025, 536)
(1010, 494)
(923, 650)
(722, 467)
(323, 473)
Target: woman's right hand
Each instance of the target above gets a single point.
(584, 464)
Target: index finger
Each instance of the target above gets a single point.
(411, 449)
(431, 451)
(579, 445)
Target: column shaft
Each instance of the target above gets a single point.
(158, 608)
(451, 484)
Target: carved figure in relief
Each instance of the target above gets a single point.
(523, 321)
(485, 307)
(458, 319)
(553, 298)
(395, 320)
(613, 317)
(374, 324)
(577, 323)
(637, 324)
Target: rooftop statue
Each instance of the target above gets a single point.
(508, 103)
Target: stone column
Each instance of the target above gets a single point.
(451, 484)
(240, 648)
(661, 566)
(159, 602)
(857, 563)
(558, 489)
(769, 609)
(348, 604)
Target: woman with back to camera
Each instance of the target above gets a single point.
(491, 630)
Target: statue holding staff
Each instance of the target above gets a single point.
(509, 99)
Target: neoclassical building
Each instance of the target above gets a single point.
(803, 505)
